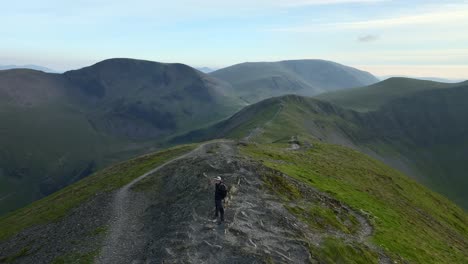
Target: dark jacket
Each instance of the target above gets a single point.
(220, 191)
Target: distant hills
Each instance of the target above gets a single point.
(28, 66)
(374, 96)
(205, 69)
(434, 79)
(58, 128)
(255, 81)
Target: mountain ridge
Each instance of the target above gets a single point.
(27, 66)
(356, 211)
(407, 133)
(254, 81)
(371, 97)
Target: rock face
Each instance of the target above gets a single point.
(166, 216)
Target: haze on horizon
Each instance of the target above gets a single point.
(384, 37)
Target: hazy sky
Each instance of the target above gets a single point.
(423, 38)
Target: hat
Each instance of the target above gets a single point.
(218, 178)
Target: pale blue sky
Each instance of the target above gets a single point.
(419, 38)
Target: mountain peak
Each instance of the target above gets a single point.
(254, 81)
(127, 64)
(28, 66)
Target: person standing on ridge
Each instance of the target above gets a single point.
(220, 194)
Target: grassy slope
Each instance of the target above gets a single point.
(279, 118)
(57, 205)
(410, 221)
(371, 97)
(237, 126)
(423, 134)
(423, 121)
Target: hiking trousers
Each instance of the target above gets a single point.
(219, 209)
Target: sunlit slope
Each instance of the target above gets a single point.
(410, 222)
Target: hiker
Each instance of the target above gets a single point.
(220, 194)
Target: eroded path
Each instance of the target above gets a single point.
(164, 216)
(127, 205)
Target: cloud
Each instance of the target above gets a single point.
(450, 17)
(428, 18)
(293, 3)
(367, 38)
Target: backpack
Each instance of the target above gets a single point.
(222, 190)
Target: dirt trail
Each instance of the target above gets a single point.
(123, 222)
(165, 215)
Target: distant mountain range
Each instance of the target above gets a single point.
(205, 69)
(435, 79)
(255, 81)
(29, 66)
(58, 128)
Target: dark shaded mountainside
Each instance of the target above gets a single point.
(423, 133)
(255, 81)
(58, 128)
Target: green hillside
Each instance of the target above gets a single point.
(371, 97)
(423, 134)
(59, 128)
(423, 121)
(411, 223)
(255, 81)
